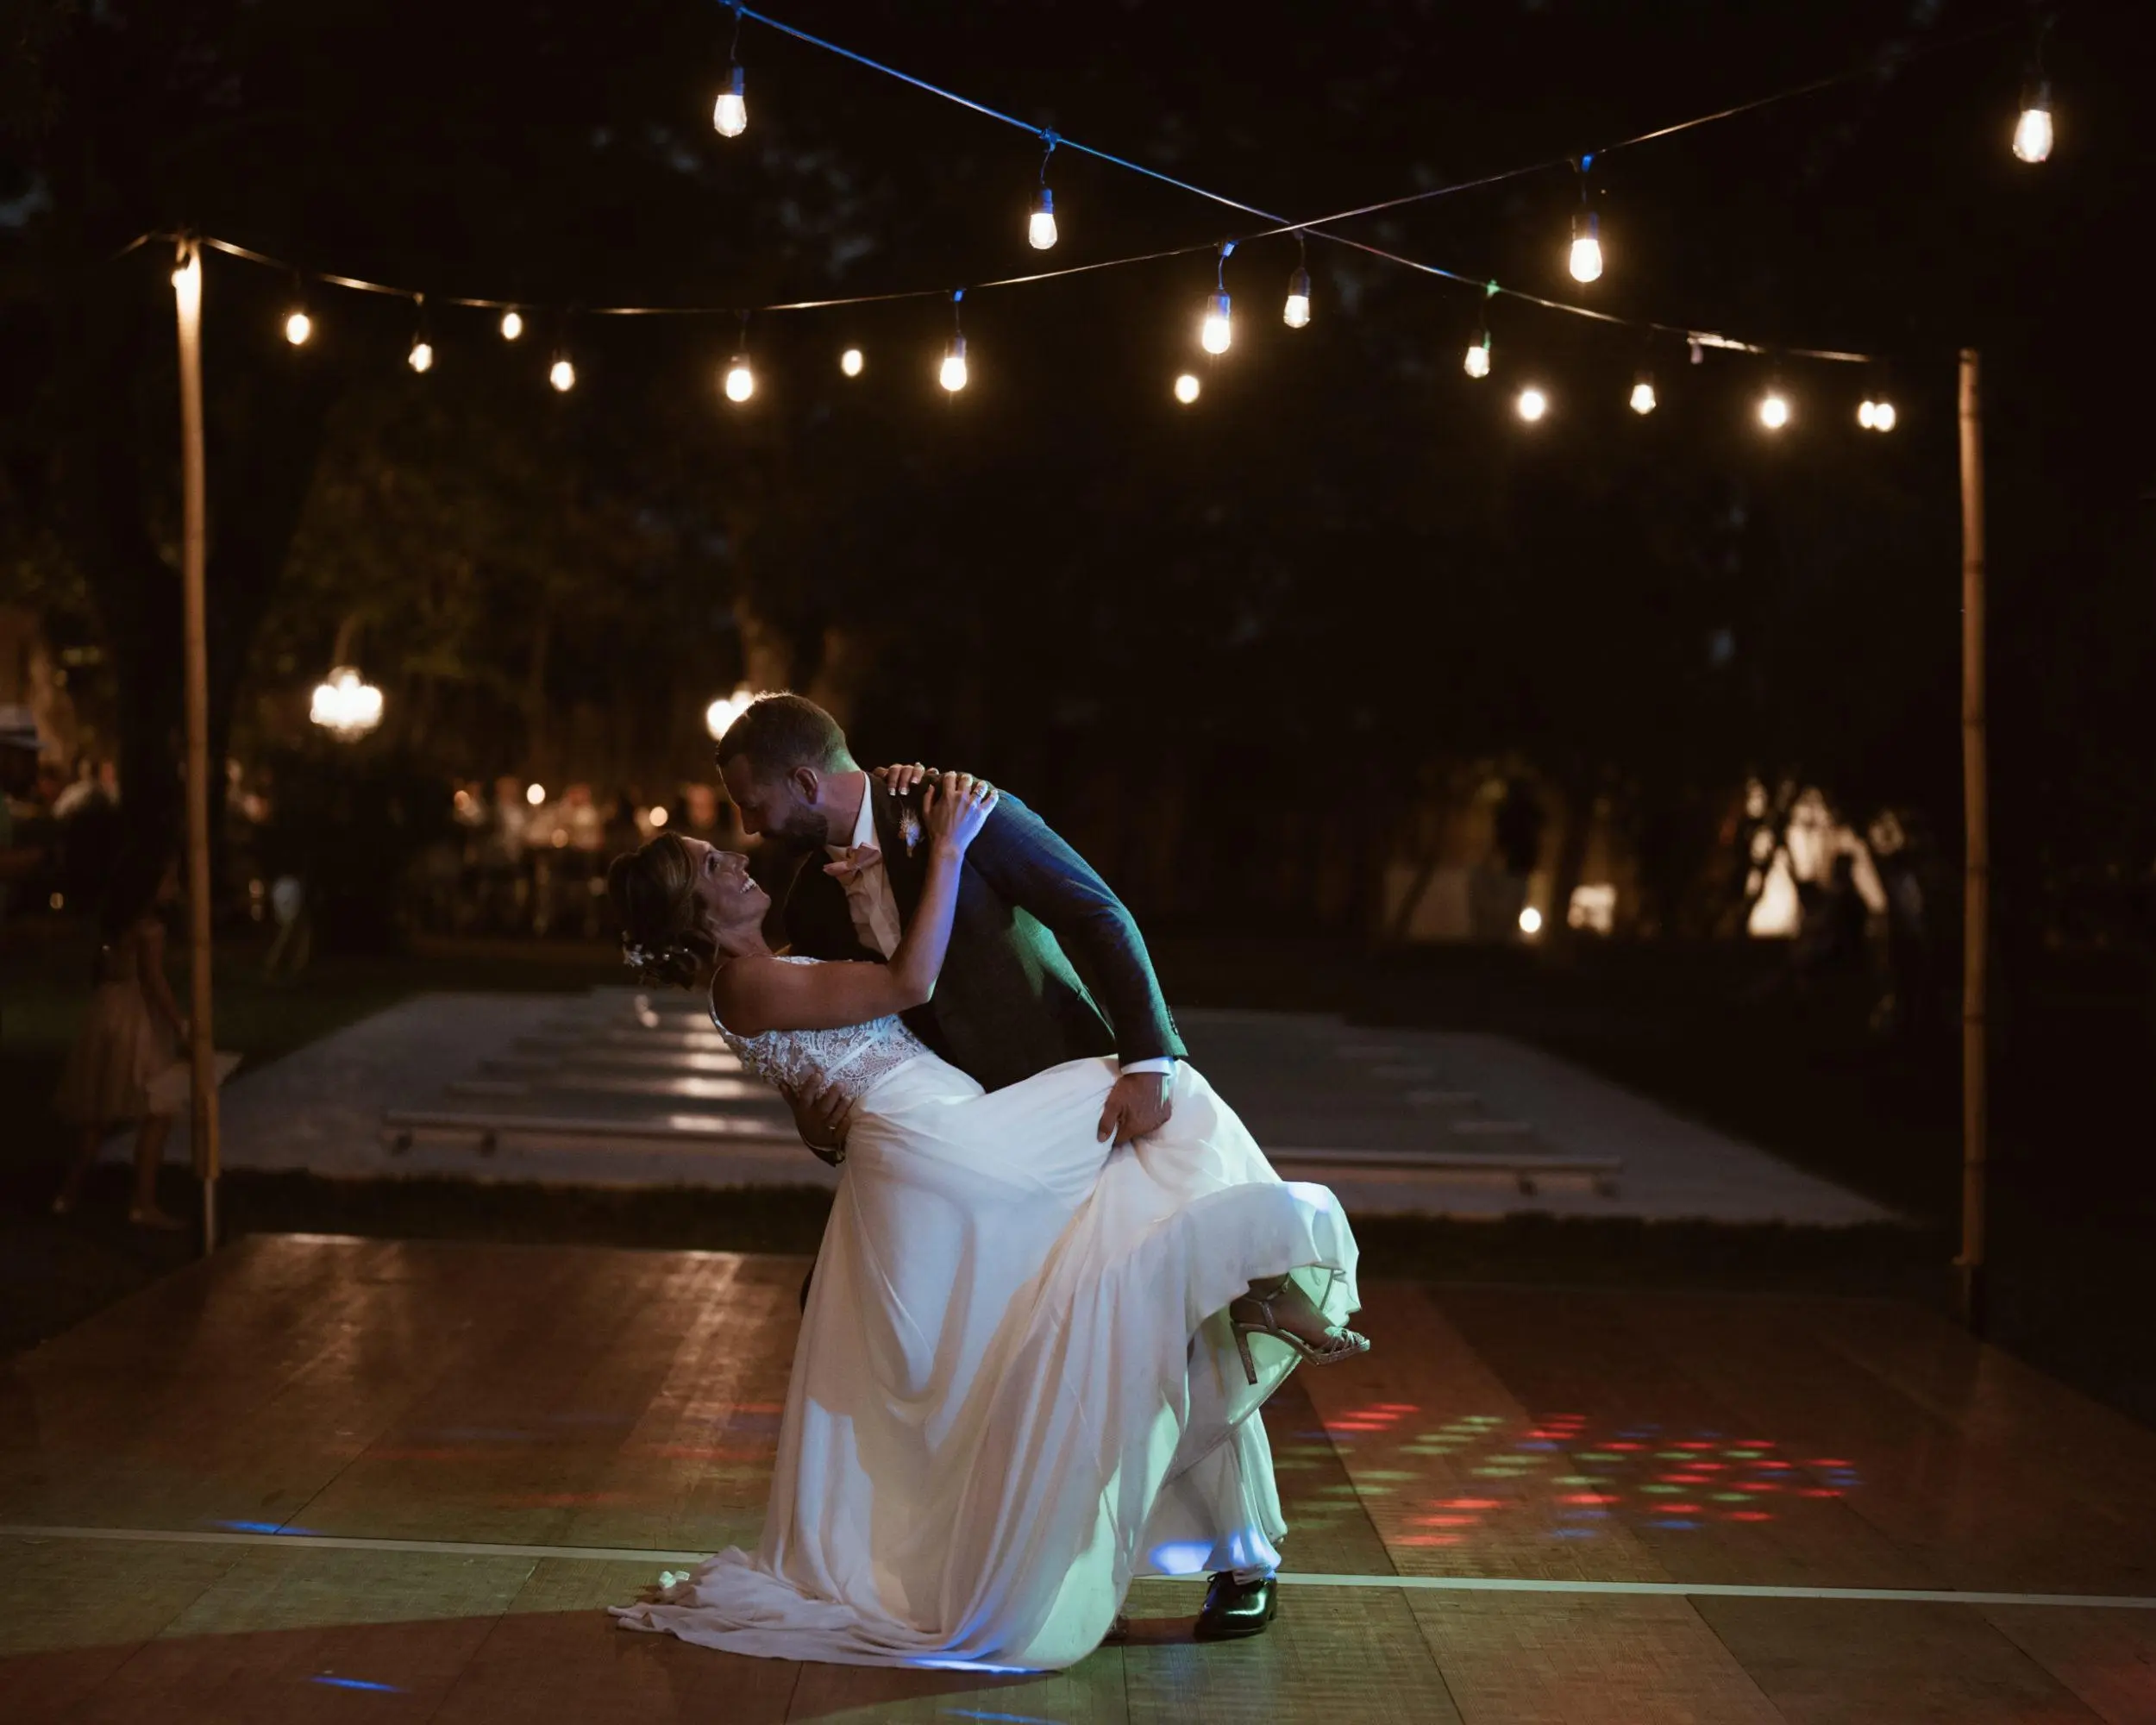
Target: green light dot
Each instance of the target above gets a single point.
(1383, 1473)
(1744, 1455)
(1663, 1491)
(1731, 1497)
(1599, 1455)
(1673, 1455)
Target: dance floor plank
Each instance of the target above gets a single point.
(597, 1411)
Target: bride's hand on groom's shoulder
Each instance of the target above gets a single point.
(902, 778)
(955, 806)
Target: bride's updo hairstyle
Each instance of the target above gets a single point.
(654, 891)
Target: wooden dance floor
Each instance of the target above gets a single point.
(344, 1480)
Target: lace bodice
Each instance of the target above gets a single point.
(854, 1057)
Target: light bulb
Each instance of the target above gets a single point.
(1531, 920)
(741, 382)
(536, 795)
(1876, 416)
(513, 324)
(1867, 412)
(851, 362)
(658, 815)
(563, 375)
(952, 373)
(187, 286)
(298, 328)
(1774, 409)
(2032, 132)
(1587, 248)
(1186, 388)
(1040, 227)
(1643, 397)
(421, 358)
(1216, 332)
(730, 115)
(1476, 364)
(1532, 403)
(1296, 313)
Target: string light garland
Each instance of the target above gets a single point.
(730, 116)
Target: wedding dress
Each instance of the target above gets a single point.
(1015, 1386)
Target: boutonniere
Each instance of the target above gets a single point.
(910, 829)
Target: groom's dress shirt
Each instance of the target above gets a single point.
(874, 909)
(869, 900)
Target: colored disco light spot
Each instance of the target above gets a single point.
(1584, 1515)
(1756, 1485)
(1748, 1515)
(328, 1680)
(1588, 1497)
(1696, 1444)
(1743, 1455)
(1819, 1491)
(1385, 1473)
(1427, 1540)
(1535, 1444)
(1599, 1455)
(1731, 1497)
(1671, 1455)
(1571, 1533)
(1441, 1520)
(1400, 1407)
(1469, 1503)
(1681, 1508)
(1664, 1490)
(1827, 1463)
(1676, 1527)
(1773, 1467)
(1625, 1447)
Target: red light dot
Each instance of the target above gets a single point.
(1747, 1515)
(1620, 1446)
(1427, 1540)
(1827, 1463)
(1693, 1447)
(1588, 1497)
(1756, 1485)
(1679, 1509)
(1471, 1503)
(1440, 1521)
(1821, 1491)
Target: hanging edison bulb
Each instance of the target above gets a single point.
(729, 114)
(1643, 395)
(1296, 313)
(1875, 415)
(561, 374)
(1186, 388)
(299, 326)
(1531, 403)
(1040, 226)
(513, 324)
(1475, 363)
(741, 382)
(952, 373)
(1774, 409)
(421, 358)
(2032, 132)
(1586, 262)
(851, 362)
(1215, 334)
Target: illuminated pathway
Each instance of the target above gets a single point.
(325, 1476)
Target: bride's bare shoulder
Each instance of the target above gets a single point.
(741, 986)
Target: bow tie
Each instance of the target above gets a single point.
(854, 861)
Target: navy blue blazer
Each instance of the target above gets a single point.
(1009, 1002)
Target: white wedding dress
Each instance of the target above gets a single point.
(1015, 1386)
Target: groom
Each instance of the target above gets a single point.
(1009, 1002)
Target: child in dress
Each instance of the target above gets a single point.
(134, 1032)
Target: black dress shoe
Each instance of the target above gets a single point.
(1236, 1608)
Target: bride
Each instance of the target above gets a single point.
(1030, 1365)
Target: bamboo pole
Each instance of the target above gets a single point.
(187, 294)
(1976, 1105)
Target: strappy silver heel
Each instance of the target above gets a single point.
(1347, 1343)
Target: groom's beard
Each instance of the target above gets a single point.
(803, 830)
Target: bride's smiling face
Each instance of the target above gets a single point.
(725, 894)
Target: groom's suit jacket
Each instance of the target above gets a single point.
(1009, 1002)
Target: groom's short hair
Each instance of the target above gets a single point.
(780, 732)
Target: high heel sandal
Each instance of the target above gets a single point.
(1347, 1345)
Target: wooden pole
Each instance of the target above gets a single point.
(1976, 1105)
(187, 294)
